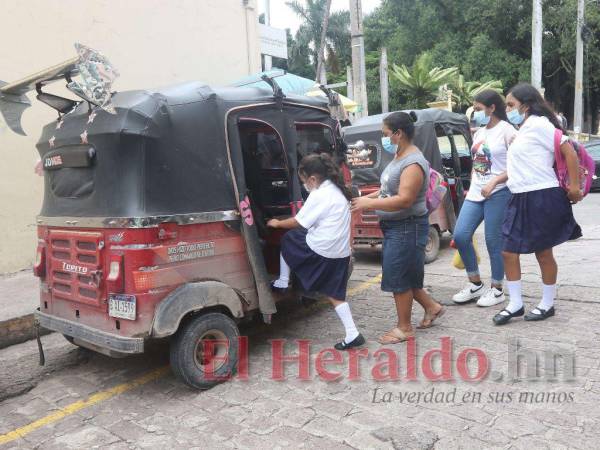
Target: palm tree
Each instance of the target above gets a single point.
(422, 82)
(321, 77)
(337, 36)
(463, 92)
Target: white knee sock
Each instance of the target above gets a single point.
(343, 312)
(516, 300)
(549, 293)
(284, 274)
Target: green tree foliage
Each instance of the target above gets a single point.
(486, 40)
(422, 82)
(304, 46)
(463, 92)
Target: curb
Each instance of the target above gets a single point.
(18, 330)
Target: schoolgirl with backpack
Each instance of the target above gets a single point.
(546, 175)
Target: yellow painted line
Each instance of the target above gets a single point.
(365, 285)
(81, 404)
(109, 393)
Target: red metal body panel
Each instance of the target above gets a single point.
(365, 223)
(155, 262)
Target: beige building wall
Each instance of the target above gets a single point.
(152, 43)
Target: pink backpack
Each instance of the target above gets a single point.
(587, 167)
(436, 190)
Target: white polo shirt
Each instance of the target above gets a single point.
(326, 216)
(530, 158)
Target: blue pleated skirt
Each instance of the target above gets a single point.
(328, 276)
(538, 220)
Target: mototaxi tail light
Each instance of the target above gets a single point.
(39, 267)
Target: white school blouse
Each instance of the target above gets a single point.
(530, 157)
(326, 216)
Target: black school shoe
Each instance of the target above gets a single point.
(357, 342)
(278, 290)
(532, 317)
(501, 319)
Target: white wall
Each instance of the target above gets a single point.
(151, 43)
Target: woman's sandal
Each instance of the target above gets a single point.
(395, 336)
(428, 320)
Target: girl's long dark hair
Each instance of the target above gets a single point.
(490, 97)
(324, 168)
(530, 96)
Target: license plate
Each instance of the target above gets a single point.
(122, 306)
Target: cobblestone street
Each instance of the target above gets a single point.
(85, 400)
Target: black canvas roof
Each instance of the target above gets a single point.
(165, 151)
(430, 123)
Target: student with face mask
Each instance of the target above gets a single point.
(486, 200)
(539, 215)
(403, 218)
(317, 247)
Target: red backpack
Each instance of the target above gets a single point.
(587, 167)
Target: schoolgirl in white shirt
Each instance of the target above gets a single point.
(539, 215)
(317, 247)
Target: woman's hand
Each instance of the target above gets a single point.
(487, 190)
(360, 203)
(273, 223)
(575, 194)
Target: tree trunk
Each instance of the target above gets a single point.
(320, 77)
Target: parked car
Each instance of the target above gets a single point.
(443, 137)
(593, 147)
(153, 218)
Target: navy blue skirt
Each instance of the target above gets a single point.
(328, 276)
(538, 220)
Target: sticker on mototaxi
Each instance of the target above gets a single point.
(186, 252)
(122, 306)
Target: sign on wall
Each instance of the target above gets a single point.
(273, 41)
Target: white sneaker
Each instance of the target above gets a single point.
(491, 297)
(469, 293)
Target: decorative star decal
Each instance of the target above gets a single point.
(51, 141)
(59, 124)
(91, 117)
(84, 137)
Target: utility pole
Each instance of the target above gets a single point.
(383, 81)
(536, 44)
(578, 107)
(268, 58)
(359, 71)
(349, 83)
(321, 72)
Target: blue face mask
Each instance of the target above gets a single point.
(480, 118)
(515, 117)
(386, 142)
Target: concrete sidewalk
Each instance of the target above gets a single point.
(19, 298)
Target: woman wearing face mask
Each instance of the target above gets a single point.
(539, 215)
(402, 210)
(317, 248)
(486, 200)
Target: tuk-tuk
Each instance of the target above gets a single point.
(444, 138)
(154, 213)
